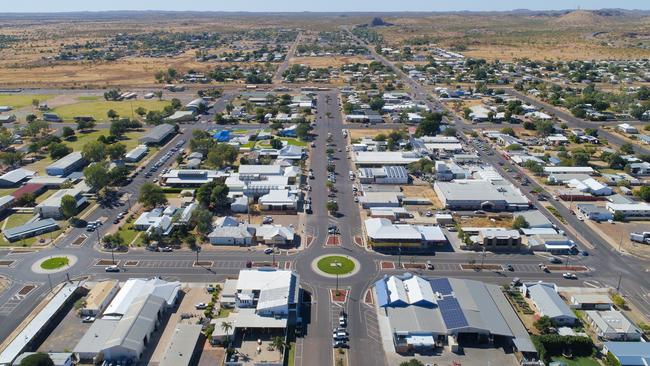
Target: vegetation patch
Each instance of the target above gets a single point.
(335, 264)
(55, 263)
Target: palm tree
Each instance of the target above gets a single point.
(227, 327)
(278, 343)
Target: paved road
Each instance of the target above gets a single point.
(277, 77)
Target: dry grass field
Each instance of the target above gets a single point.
(329, 61)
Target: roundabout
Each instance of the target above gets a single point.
(54, 264)
(336, 265)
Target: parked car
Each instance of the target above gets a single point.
(112, 268)
(570, 276)
(267, 220)
(510, 267)
(343, 319)
(88, 319)
(555, 260)
(268, 250)
(339, 344)
(201, 306)
(429, 265)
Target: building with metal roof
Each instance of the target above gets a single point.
(475, 194)
(58, 358)
(549, 303)
(99, 296)
(381, 158)
(535, 219)
(383, 175)
(629, 353)
(612, 325)
(136, 154)
(423, 313)
(66, 165)
(30, 229)
(15, 177)
(6, 202)
(158, 134)
(39, 322)
(382, 232)
(181, 348)
(135, 287)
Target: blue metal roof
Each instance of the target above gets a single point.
(451, 313)
(629, 353)
(382, 293)
(441, 285)
(222, 136)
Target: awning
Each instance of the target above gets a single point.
(418, 340)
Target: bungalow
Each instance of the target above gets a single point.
(627, 128)
(630, 210)
(552, 243)
(591, 301)
(549, 303)
(230, 231)
(279, 200)
(30, 229)
(51, 207)
(612, 325)
(14, 177)
(557, 139)
(162, 220)
(645, 139)
(640, 168)
(274, 234)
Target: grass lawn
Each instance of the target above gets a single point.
(224, 312)
(86, 98)
(17, 219)
(131, 139)
(7, 191)
(129, 234)
(45, 195)
(294, 142)
(55, 263)
(292, 354)
(39, 165)
(578, 361)
(336, 264)
(22, 100)
(98, 108)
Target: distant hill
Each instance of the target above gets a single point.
(584, 18)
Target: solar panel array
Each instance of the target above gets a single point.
(441, 285)
(451, 313)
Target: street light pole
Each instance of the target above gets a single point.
(482, 258)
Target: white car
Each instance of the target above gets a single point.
(268, 250)
(569, 276)
(201, 306)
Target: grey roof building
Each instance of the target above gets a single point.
(180, 350)
(14, 177)
(549, 303)
(136, 154)
(535, 219)
(424, 312)
(30, 229)
(473, 194)
(157, 134)
(66, 164)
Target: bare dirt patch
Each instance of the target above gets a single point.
(26, 289)
(422, 191)
(339, 295)
(414, 266)
(327, 61)
(105, 262)
(333, 240)
(387, 265)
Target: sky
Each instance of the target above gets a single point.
(313, 5)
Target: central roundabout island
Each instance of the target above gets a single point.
(335, 265)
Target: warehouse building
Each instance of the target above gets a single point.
(136, 154)
(66, 165)
(99, 297)
(158, 134)
(479, 194)
(549, 303)
(181, 349)
(15, 177)
(425, 314)
(384, 175)
(30, 229)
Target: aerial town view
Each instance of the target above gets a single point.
(340, 183)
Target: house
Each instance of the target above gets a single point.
(481, 194)
(612, 325)
(29, 188)
(190, 177)
(591, 301)
(382, 158)
(66, 165)
(181, 116)
(383, 175)
(549, 303)
(628, 353)
(135, 287)
(158, 220)
(382, 232)
(158, 134)
(274, 234)
(279, 200)
(264, 301)
(593, 212)
(499, 240)
(98, 298)
(425, 314)
(136, 154)
(15, 177)
(289, 131)
(592, 186)
(30, 229)
(630, 210)
(291, 153)
(569, 170)
(557, 139)
(627, 128)
(239, 204)
(51, 207)
(230, 231)
(642, 168)
(645, 139)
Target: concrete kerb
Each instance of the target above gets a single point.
(314, 266)
(36, 267)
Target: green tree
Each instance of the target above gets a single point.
(67, 132)
(151, 195)
(332, 206)
(278, 343)
(644, 193)
(94, 151)
(26, 200)
(58, 150)
(543, 324)
(227, 327)
(411, 362)
(37, 359)
(276, 144)
(68, 206)
(140, 111)
(114, 241)
(213, 195)
(30, 118)
(221, 155)
(112, 114)
(619, 216)
(116, 151)
(11, 158)
(627, 148)
(85, 125)
(96, 176)
(202, 220)
(430, 125)
(302, 131)
(520, 223)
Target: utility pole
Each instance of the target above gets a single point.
(399, 258)
(198, 249)
(618, 286)
(337, 282)
(273, 254)
(49, 280)
(482, 258)
(113, 253)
